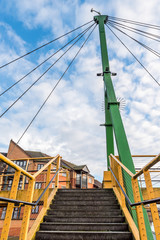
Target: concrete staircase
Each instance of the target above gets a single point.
(84, 214)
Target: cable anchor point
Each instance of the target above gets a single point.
(92, 10)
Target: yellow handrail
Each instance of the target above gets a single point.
(29, 195)
(148, 166)
(116, 167)
(15, 166)
(121, 164)
(135, 188)
(45, 166)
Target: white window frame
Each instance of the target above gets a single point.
(39, 166)
(38, 185)
(3, 213)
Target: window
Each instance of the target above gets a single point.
(3, 213)
(63, 187)
(78, 179)
(20, 184)
(64, 174)
(90, 180)
(35, 209)
(39, 166)
(84, 181)
(53, 185)
(9, 184)
(38, 185)
(15, 213)
(22, 164)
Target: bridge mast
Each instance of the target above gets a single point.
(114, 121)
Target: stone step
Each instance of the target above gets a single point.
(86, 198)
(85, 235)
(86, 190)
(111, 219)
(51, 226)
(83, 202)
(84, 214)
(60, 213)
(111, 194)
(84, 207)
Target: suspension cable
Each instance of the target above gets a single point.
(42, 74)
(142, 44)
(6, 64)
(134, 56)
(135, 22)
(56, 84)
(138, 31)
(43, 62)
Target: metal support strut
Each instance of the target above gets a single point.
(112, 116)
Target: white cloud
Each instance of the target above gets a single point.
(69, 123)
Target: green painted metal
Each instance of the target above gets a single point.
(116, 120)
(109, 131)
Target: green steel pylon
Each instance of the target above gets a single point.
(114, 121)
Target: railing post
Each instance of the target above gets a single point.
(112, 167)
(27, 211)
(139, 209)
(153, 206)
(122, 184)
(47, 182)
(67, 179)
(57, 177)
(8, 217)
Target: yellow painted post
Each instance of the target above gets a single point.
(8, 217)
(153, 206)
(112, 167)
(27, 211)
(67, 179)
(122, 185)
(57, 177)
(107, 179)
(139, 210)
(47, 181)
(1, 181)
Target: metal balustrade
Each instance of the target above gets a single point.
(33, 203)
(117, 170)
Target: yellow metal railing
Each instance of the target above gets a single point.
(117, 169)
(28, 232)
(150, 192)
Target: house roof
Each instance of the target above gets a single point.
(65, 163)
(34, 154)
(4, 154)
(97, 183)
(82, 167)
(69, 164)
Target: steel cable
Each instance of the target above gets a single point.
(42, 63)
(138, 31)
(16, 59)
(56, 85)
(134, 56)
(42, 74)
(135, 22)
(142, 44)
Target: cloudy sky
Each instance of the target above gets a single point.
(69, 122)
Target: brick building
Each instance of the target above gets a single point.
(78, 176)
